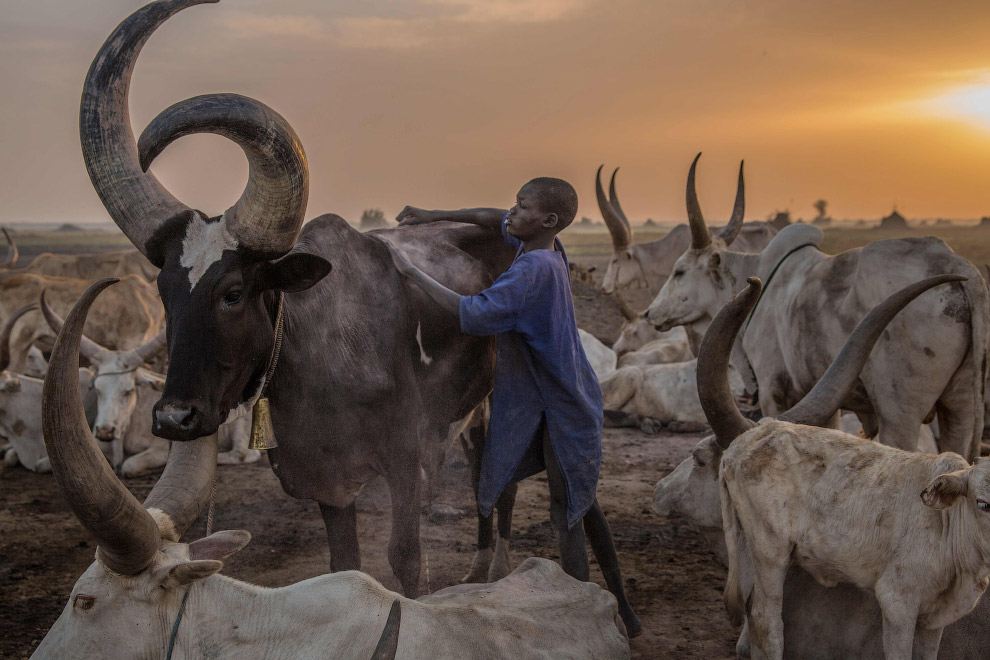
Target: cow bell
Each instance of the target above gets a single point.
(262, 433)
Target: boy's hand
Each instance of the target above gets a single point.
(402, 264)
(413, 216)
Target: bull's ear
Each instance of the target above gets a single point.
(142, 377)
(714, 263)
(945, 488)
(294, 272)
(191, 571)
(219, 545)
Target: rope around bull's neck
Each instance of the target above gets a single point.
(277, 346)
(766, 285)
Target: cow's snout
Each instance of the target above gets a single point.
(104, 433)
(178, 421)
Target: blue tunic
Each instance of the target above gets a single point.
(541, 371)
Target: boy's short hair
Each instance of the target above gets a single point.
(556, 196)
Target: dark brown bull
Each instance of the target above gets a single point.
(369, 368)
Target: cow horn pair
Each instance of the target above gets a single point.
(12, 252)
(820, 404)
(8, 328)
(127, 533)
(267, 217)
(615, 218)
(700, 238)
(96, 354)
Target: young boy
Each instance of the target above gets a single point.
(547, 404)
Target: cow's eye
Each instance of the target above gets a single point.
(233, 297)
(678, 273)
(983, 504)
(83, 602)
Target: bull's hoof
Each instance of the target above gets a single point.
(501, 564)
(650, 426)
(479, 567)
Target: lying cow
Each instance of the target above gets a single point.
(811, 302)
(637, 334)
(843, 501)
(656, 395)
(126, 392)
(128, 602)
(20, 406)
(601, 357)
(649, 264)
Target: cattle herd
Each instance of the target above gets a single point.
(869, 544)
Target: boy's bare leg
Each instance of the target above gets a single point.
(600, 537)
(573, 553)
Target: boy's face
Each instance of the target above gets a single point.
(527, 219)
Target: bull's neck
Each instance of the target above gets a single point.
(739, 266)
(326, 616)
(651, 262)
(964, 540)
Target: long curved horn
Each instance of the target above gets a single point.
(388, 643)
(137, 201)
(621, 236)
(91, 350)
(12, 251)
(269, 214)
(8, 328)
(713, 366)
(613, 199)
(627, 311)
(184, 487)
(700, 238)
(732, 229)
(128, 536)
(818, 405)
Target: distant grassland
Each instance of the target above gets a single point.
(31, 243)
(970, 242)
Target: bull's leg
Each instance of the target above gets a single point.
(153, 457)
(958, 416)
(766, 623)
(341, 524)
(403, 544)
(899, 621)
(926, 641)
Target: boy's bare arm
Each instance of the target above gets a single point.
(449, 300)
(483, 217)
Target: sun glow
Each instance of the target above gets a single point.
(970, 103)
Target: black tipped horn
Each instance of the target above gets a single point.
(8, 328)
(127, 535)
(621, 235)
(713, 366)
(732, 230)
(819, 405)
(267, 217)
(613, 198)
(388, 644)
(700, 238)
(12, 252)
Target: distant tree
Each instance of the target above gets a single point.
(373, 219)
(820, 206)
(585, 221)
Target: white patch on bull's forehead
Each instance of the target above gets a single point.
(204, 245)
(423, 357)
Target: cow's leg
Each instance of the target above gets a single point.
(153, 457)
(403, 544)
(341, 524)
(957, 415)
(501, 564)
(926, 641)
(766, 623)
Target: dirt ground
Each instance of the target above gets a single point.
(673, 580)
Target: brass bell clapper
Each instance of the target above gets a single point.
(262, 432)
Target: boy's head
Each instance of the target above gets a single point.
(543, 206)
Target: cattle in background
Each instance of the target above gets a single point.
(601, 357)
(820, 623)
(129, 315)
(370, 373)
(812, 301)
(128, 601)
(636, 334)
(12, 252)
(649, 264)
(93, 266)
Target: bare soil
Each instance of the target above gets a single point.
(673, 580)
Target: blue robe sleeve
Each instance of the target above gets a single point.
(496, 309)
(510, 240)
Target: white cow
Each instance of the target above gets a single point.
(601, 357)
(838, 506)
(127, 603)
(649, 264)
(811, 302)
(658, 394)
(637, 334)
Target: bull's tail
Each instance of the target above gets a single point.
(735, 604)
(979, 304)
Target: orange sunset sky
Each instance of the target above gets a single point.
(451, 103)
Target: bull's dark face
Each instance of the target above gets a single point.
(220, 330)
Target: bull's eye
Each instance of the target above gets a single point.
(83, 602)
(983, 504)
(678, 273)
(233, 297)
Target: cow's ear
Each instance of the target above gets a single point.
(188, 572)
(142, 377)
(219, 545)
(714, 263)
(294, 272)
(945, 488)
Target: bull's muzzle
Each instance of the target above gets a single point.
(179, 421)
